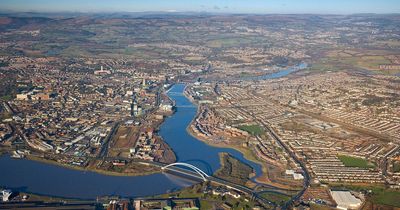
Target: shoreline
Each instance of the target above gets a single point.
(263, 178)
(79, 168)
(248, 182)
(100, 171)
(247, 154)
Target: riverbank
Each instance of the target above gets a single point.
(265, 176)
(48, 178)
(247, 153)
(70, 181)
(234, 170)
(99, 171)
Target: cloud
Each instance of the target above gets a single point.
(216, 7)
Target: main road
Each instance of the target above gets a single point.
(306, 174)
(230, 185)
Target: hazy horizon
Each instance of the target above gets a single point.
(207, 6)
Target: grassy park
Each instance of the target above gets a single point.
(255, 130)
(350, 161)
(275, 197)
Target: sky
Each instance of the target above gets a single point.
(217, 6)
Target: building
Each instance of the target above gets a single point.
(144, 83)
(22, 96)
(296, 176)
(41, 97)
(345, 200)
(102, 71)
(5, 195)
(168, 204)
(166, 107)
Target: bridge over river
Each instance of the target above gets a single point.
(69, 183)
(192, 171)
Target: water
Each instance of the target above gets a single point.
(278, 74)
(31, 176)
(187, 148)
(36, 177)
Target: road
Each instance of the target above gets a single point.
(189, 173)
(266, 203)
(306, 174)
(104, 149)
(255, 195)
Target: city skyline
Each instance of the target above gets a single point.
(220, 6)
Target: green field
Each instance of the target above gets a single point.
(207, 201)
(255, 130)
(396, 167)
(7, 97)
(386, 197)
(228, 40)
(275, 197)
(349, 161)
(341, 62)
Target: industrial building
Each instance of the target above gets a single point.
(345, 200)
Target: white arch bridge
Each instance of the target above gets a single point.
(216, 180)
(194, 168)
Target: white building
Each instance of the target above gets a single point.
(296, 176)
(166, 107)
(345, 200)
(5, 195)
(22, 96)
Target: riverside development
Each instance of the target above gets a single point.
(233, 114)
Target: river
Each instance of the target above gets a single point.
(46, 179)
(278, 74)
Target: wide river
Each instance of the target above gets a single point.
(46, 179)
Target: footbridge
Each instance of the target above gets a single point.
(171, 167)
(193, 171)
(198, 173)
